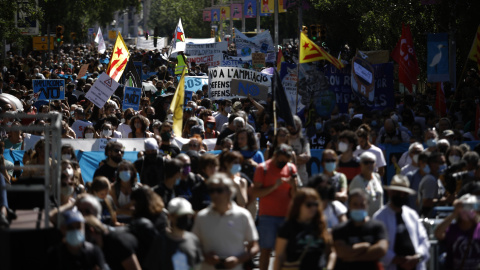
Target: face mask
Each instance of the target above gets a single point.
(9, 123)
(122, 121)
(66, 156)
(99, 199)
(124, 176)
(415, 158)
(374, 123)
(281, 164)
(151, 157)
(394, 118)
(351, 111)
(116, 159)
(426, 169)
(244, 148)
(88, 135)
(442, 168)
(177, 181)
(330, 166)
(184, 222)
(235, 168)
(67, 191)
(187, 170)
(342, 147)
(107, 133)
(431, 142)
(399, 201)
(75, 238)
(228, 109)
(453, 159)
(166, 136)
(358, 214)
(138, 125)
(318, 125)
(69, 172)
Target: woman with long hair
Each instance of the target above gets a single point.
(279, 138)
(122, 190)
(303, 240)
(231, 165)
(139, 124)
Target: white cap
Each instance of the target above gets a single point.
(179, 206)
(151, 144)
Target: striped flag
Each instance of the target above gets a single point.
(475, 50)
(311, 52)
(119, 59)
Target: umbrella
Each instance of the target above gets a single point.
(148, 86)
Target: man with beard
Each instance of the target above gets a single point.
(114, 152)
(151, 166)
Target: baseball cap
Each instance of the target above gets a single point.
(180, 206)
(72, 216)
(151, 144)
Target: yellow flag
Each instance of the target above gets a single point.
(177, 106)
(475, 50)
(118, 60)
(311, 52)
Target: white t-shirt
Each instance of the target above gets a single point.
(299, 149)
(124, 129)
(374, 190)
(333, 210)
(374, 150)
(78, 127)
(220, 119)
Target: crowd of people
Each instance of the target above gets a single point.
(183, 206)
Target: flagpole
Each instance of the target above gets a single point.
(274, 117)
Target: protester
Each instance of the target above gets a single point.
(348, 164)
(114, 152)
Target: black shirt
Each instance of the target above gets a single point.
(200, 197)
(370, 232)
(223, 135)
(185, 188)
(302, 239)
(117, 247)
(107, 171)
(171, 150)
(151, 172)
(89, 257)
(166, 193)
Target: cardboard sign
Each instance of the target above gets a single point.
(212, 60)
(206, 48)
(244, 88)
(102, 90)
(49, 89)
(258, 60)
(41, 43)
(83, 71)
(289, 77)
(363, 78)
(219, 79)
(131, 98)
(195, 83)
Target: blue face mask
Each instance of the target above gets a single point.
(374, 123)
(177, 181)
(330, 166)
(426, 169)
(442, 168)
(235, 168)
(358, 214)
(318, 125)
(431, 142)
(75, 238)
(124, 176)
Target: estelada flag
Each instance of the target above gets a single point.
(179, 35)
(177, 106)
(404, 55)
(475, 50)
(119, 59)
(311, 52)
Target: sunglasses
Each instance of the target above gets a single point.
(368, 162)
(330, 160)
(118, 150)
(312, 204)
(188, 109)
(216, 190)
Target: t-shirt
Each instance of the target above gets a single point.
(371, 232)
(220, 119)
(107, 171)
(90, 257)
(172, 253)
(415, 178)
(200, 197)
(456, 241)
(166, 193)
(78, 127)
(151, 172)
(171, 150)
(185, 187)
(124, 129)
(301, 146)
(333, 210)
(350, 168)
(428, 189)
(301, 238)
(225, 133)
(118, 246)
(276, 203)
(374, 150)
(374, 190)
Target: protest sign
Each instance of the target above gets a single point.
(244, 88)
(258, 60)
(199, 40)
(131, 98)
(289, 77)
(219, 79)
(212, 60)
(83, 71)
(206, 48)
(363, 78)
(314, 91)
(49, 89)
(262, 42)
(102, 90)
(195, 83)
(236, 61)
(340, 83)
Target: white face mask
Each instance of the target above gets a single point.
(228, 109)
(66, 157)
(107, 133)
(342, 147)
(453, 159)
(88, 135)
(415, 158)
(69, 172)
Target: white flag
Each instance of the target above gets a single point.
(100, 41)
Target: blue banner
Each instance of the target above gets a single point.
(340, 83)
(131, 98)
(195, 83)
(49, 89)
(437, 59)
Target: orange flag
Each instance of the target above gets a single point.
(119, 59)
(311, 52)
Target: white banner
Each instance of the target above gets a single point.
(206, 49)
(212, 60)
(219, 79)
(199, 40)
(142, 43)
(262, 42)
(236, 61)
